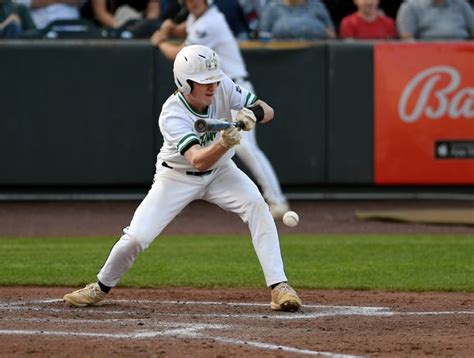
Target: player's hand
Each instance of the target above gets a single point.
(230, 137)
(247, 117)
(158, 37)
(167, 27)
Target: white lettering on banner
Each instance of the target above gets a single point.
(461, 103)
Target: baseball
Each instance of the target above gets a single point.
(291, 219)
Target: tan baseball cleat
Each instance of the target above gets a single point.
(91, 295)
(284, 298)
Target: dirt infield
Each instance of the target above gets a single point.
(316, 217)
(184, 322)
(236, 322)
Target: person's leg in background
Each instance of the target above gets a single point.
(256, 161)
(262, 170)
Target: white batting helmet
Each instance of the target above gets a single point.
(196, 63)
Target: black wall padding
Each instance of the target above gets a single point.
(293, 82)
(350, 114)
(76, 114)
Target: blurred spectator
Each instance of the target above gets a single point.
(116, 13)
(296, 20)
(44, 12)
(435, 19)
(367, 22)
(252, 10)
(14, 20)
(169, 9)
(234, 16)
(338, 9)
(10, 27)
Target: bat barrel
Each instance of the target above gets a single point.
(214, 125)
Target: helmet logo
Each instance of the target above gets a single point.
(212, 64)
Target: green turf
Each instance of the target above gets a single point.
(389, 262)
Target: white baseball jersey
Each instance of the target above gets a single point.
(212, 30)
(177, 120)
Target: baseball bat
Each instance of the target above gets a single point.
(214, 125)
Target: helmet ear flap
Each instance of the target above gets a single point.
(182, 84)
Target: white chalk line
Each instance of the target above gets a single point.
(191, 330)
(323, 310)
(357, 311)
(187, 332)
(167, 302)
(283, 348)
(114, 321)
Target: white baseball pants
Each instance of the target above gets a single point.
(172, 190)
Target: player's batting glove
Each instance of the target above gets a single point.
(230, 137)
(247, 117)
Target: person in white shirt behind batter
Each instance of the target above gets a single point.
(194, 166)
(207, 26)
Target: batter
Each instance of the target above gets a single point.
(207, 26)
(192, 166)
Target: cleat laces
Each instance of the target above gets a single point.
(92, 291)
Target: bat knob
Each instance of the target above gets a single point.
(200, 125)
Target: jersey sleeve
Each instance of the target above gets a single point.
(178, 132)
(238, 96)
(406, 19)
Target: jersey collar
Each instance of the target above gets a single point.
(189, 108)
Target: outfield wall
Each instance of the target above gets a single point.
(84, 113)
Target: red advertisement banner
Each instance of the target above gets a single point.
(424, 113)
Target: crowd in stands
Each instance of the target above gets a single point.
(254, 19)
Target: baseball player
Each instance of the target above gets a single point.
(206, 26)
(192, 166)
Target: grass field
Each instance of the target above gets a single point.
(387, 262)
